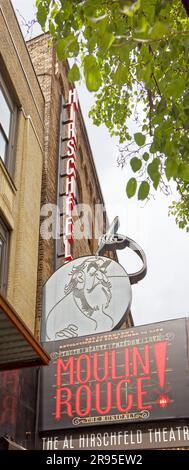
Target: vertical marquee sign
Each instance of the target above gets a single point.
(67, 175)
(70, 173)
(134, 375)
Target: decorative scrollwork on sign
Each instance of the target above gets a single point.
(144, 414)
(170, 336)
(71, 331)
(77, 421)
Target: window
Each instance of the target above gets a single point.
(7, 124)
(4, 245)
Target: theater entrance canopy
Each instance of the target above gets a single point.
(18, 347)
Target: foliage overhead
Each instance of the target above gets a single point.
(134, 55)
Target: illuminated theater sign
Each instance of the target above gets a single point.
(134, 375)
(70, 173)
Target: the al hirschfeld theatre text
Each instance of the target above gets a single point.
(151, 436)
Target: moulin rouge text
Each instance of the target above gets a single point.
(108, 380)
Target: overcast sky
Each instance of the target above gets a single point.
(164, 293)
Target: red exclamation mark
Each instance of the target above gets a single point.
(160, 350)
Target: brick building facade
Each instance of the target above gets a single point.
(21, 168)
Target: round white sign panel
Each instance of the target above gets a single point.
(88, 295)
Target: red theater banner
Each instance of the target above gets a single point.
(134, 375)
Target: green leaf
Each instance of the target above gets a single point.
(153, 148)
(186, 43)
(102, 24)
(129, 10)
(169, 148)
(161, 105)
(140, 139)
(131, 187)
(143, 191)
(91, 43)
(52, 28)
(73, 47)
(60, 48)
(66, 9)
(146, 156)
(135, 164)
(186, 100)
(153, 171)
(124, 53)
(183, 171)
(147, 72)
(42, 15)
(106, 40)
(142, 25)
(37, 2)
(92, 73)
(156, 163)
(54, 11)
(159, 30)
(67, 47)
(121, 75)
(87, 33)
(74, 73)
(171, 168)
(175, 87)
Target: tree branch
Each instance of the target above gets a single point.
(157, 86)
(139, 41)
